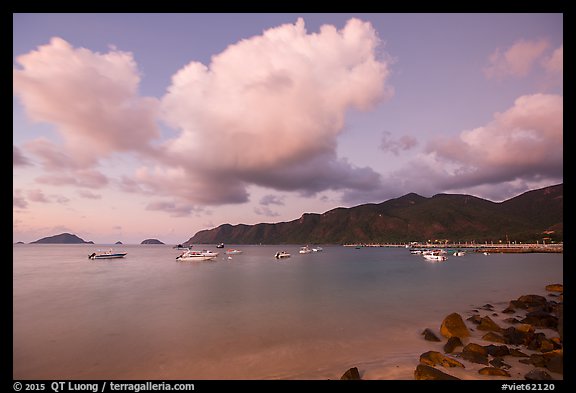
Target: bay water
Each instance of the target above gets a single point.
(248, 316)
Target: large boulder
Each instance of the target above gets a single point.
(424, 372)
(454, 326)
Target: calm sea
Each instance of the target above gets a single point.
(311, 316)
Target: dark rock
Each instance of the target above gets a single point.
(432, 358)
(514, 336)
(541, 319)
(351, 374)
(555, 288)
(497, 350)
(488, 307)
(475, 353)
(560, 311)
(424, 372)
(475, 319)
(453, 325)
(531, 301)
(494, 371)
(486, 323)
(508, 310)
(538, 375)
(494, 337)
(452, 344)
(499, 363)
(517, 353)
(512, 320)
(430, 336)
(556, 364)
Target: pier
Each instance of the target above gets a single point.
(475, 247)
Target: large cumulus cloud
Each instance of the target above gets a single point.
(268, 110)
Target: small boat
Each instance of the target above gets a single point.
(434, 257)
(317, 249)
(282, 254)
(459, 253)
(305, 250)
(196, 255)
(107, 255)
(233, 251)
(221, 245)
(181, 247)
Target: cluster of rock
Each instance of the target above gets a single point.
(523, 334)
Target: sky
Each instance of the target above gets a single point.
(135, 126)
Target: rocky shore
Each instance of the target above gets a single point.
(520, 339)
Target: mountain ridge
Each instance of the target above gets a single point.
(534, 215)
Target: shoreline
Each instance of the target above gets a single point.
(517, 350)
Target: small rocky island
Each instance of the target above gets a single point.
(151, 241)
(63, 238)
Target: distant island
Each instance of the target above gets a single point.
(534, 216)
(63, 238)
(118, 242)
(151, 241)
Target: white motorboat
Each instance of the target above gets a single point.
(459, 253)
(317, 249)
(195, 255)
(434, 257)
(233, 251)
(282, 254)
(305, 250)
(107, 255)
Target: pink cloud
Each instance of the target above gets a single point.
(516, 60)
(91, 98)
(51, 156)
(523, 141)
(88, 178)
(37, 196)
(555, 63)
(18, 200)
(89, 195)
(271, 106)
(18, 159)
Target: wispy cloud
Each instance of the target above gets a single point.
(404, 142)
(516, 60)
(175, 210)
(266, 211)
(18, 159)
(18, 200)
(267, 200)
